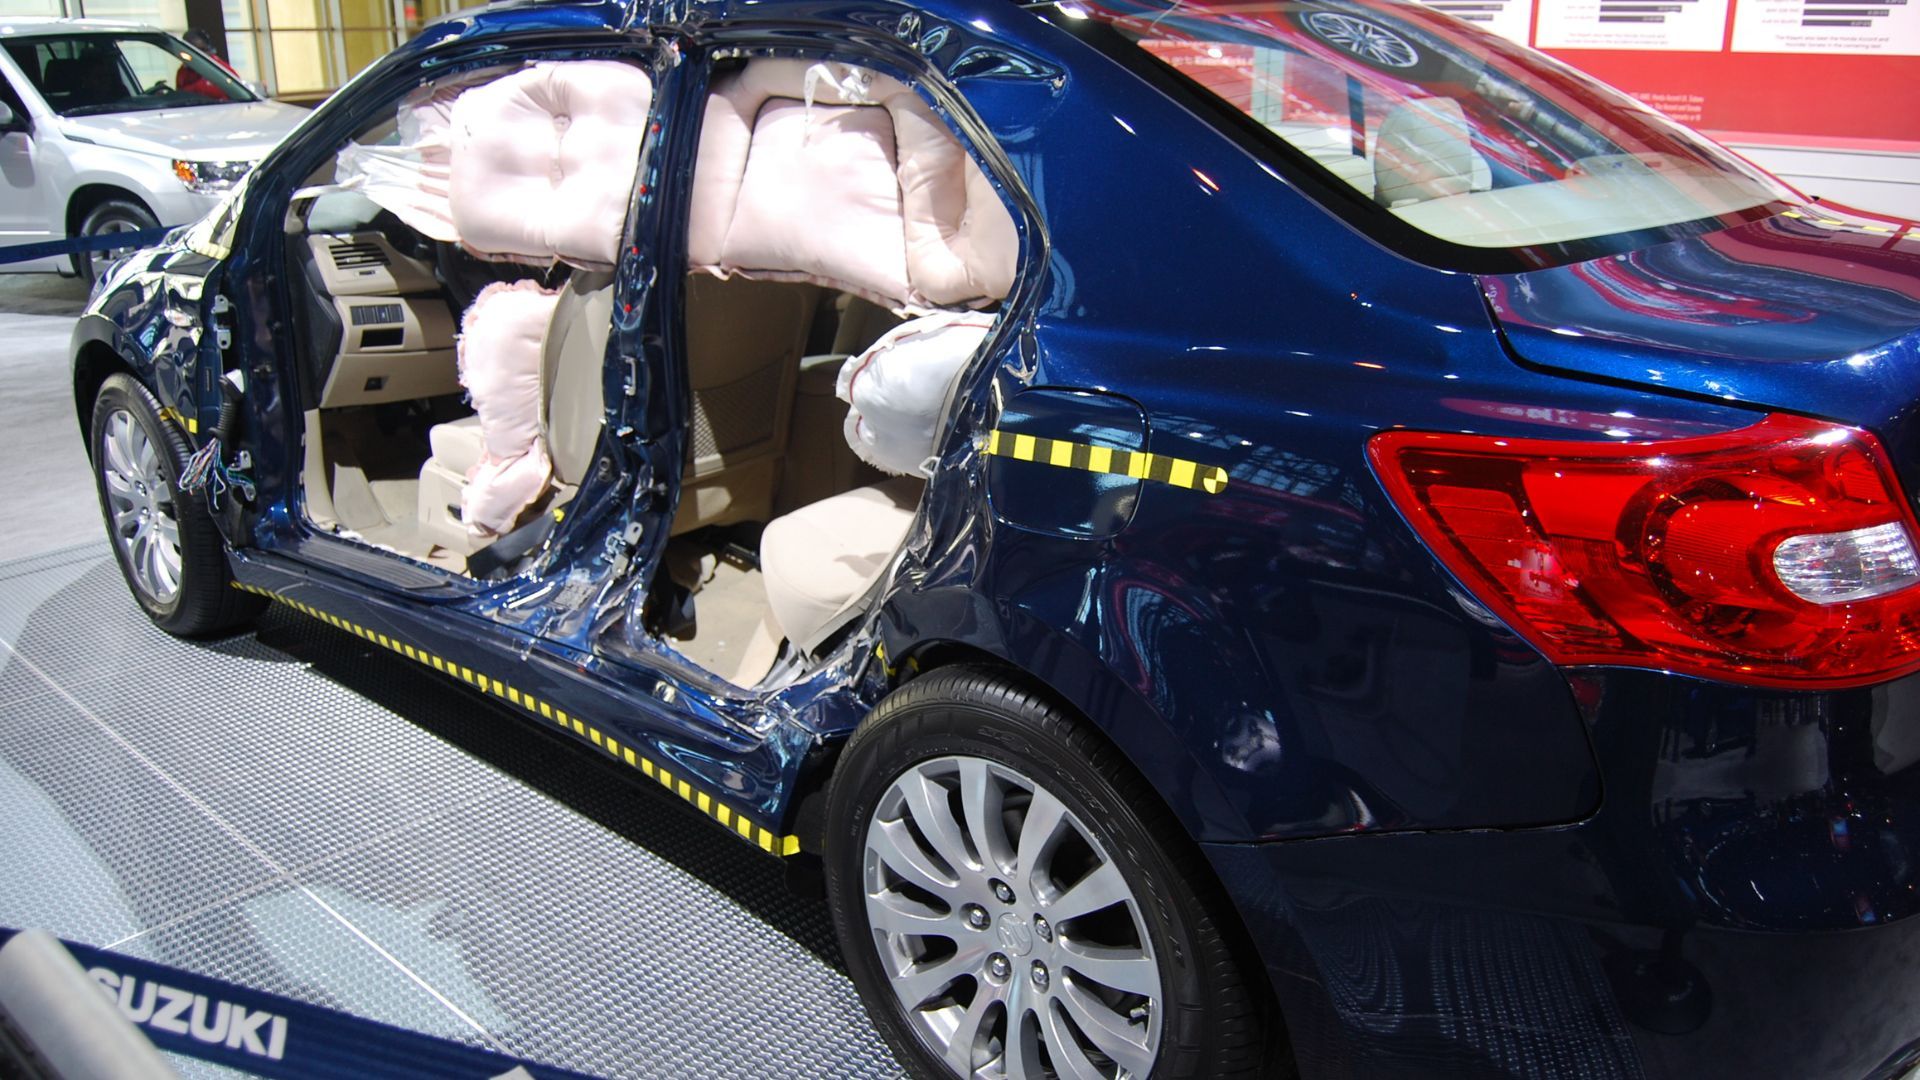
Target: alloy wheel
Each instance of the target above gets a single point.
(1011, 939)
(140, 506)
(112, 227)
(1367, 40)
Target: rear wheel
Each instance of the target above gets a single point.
(110, 217)
(168, 548)
(1012, 902)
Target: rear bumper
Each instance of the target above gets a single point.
(1745, 902)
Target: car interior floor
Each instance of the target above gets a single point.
(363, 477)
(725, 629)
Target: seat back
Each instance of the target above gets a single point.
(573, 374)
(743, 348)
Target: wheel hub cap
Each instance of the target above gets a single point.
(965, 861)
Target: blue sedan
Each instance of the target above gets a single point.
(1232, 537)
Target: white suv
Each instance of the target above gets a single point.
(112, 127)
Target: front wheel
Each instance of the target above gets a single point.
(110, 217)
(167, 545)
(1012, 901)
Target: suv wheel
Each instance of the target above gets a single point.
(112, 216)
(168, 548)
(1012, 901)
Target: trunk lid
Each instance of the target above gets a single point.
(1814, 311)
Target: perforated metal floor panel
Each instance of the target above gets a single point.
(298, 811)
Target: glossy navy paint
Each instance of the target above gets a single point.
(1453, 857)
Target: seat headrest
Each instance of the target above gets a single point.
(543, 161)
(844, 177)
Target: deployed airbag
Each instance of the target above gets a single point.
(544, 159)
(500, 352)
(897, 389)
(530, 166)
(839, 176)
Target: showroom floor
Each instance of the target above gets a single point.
(296, 811)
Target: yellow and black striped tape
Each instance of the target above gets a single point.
(737, 822)
(192, 425)
(1140, 465)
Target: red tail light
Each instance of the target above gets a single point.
(1781, 554)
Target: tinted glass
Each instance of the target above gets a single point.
(89, 74)
(1460, 134)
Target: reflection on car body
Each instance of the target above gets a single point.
(1401, 646)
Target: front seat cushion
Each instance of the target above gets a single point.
(458, 444)
(821, 557)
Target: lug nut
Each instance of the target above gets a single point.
(1041, 929)
(997, 966)
(1003, 890)
(1039, 975)
(976, 916)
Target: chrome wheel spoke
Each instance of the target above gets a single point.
(1022, 1057)
(921, 983)
(896, 848)
(964, 1045)
(1114, 1035)
(898, 915)
(927, 801)
(981, 802)
(1101, 889)
(1069, 1060)
(1119, 968)
(1038, 834)
(963, 864)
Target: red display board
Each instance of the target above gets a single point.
(1781, 72)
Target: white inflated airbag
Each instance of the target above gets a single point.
(845, 178)
(544, 161)
(897, 389)
(500, 351)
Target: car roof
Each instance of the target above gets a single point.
(40, 24)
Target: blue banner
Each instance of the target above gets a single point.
(276, 1036)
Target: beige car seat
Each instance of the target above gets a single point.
(744, 343)
(572, 412)
(820, 559)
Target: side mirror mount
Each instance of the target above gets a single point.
(11, 121)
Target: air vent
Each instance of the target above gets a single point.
(357, 255)
(375, 314)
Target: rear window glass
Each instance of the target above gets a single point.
(1458, 133)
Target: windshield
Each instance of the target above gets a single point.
(88, 74)
(1457, 133)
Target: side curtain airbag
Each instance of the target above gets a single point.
(544, 160)
(842, 177)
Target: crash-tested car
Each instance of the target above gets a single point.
(109, 127)
(1238, 535)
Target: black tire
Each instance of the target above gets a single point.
(204, 602)
(1215, 1019)
(114, 215)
